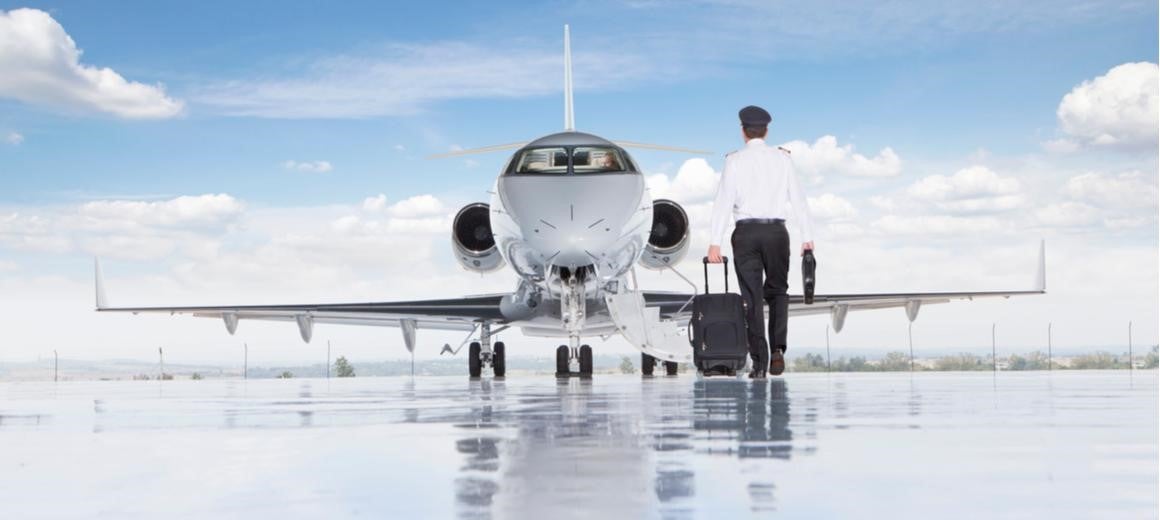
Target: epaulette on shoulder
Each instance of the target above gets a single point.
(784, 149)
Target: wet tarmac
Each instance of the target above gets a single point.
(1015, 445)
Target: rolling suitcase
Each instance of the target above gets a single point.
(718, 329)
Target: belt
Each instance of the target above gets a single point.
(761, 221)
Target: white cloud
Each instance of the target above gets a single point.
(376, 203)
(417, 206)
(826, 157)
(1117, 109)
(1129, 190)
(1068, 214)
(40, 65)
(401, 79)
(308, 166)
(181, 211)
(936, 225)
(695, 181)
(975, 189)
(14, 138)
(400, 148)
(883, 203)
(830, 207)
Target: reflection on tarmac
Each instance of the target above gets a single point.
(806, 445)
(603, 451)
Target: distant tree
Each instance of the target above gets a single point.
(196, 376)
(809, 363)
(960, 362)
(343, 368)
(286, 374)
(1152, 359)
(1033, 361)
(141, 377)
(626, 366)
(895, 362)
(1098, 361)
(166, 377)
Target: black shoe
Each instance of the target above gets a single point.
(776, 362)
(756, 374)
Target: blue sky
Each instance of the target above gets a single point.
(245, 100)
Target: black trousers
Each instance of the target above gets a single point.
(761, 260)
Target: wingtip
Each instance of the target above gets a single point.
(99, 283)
(1041, 272)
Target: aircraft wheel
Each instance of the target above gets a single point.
(647, 363)
(585, 360)
(474, 363)
(562, 367)
(498, 363)
(671, 368)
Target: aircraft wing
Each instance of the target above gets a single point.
(676, 306)
(461, 314)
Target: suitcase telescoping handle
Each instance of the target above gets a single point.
(724, 263)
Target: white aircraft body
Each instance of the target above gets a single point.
(570, 213)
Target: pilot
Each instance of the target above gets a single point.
(758, 190)
(609, 162)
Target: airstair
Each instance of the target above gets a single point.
(643, 327)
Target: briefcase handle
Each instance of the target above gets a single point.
(724, 263)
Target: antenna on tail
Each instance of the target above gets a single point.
(569, 117)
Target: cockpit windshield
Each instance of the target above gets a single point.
(593, 159)
(543, 160)
(578, 160)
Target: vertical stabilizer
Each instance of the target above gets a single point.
(569, 118)
(102, 300)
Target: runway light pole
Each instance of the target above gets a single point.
(161, 363)
(328, 359)
(827, 347)
(1130, 363)
(1049, 346)
(55, 366)
(245, 360)
(994, 358)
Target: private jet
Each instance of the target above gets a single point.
(571, 215)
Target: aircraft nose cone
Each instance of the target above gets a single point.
(572, 220)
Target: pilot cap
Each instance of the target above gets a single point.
(754, 116)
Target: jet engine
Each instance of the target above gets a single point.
(669, 240)
(473, 241)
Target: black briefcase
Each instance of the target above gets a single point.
(718, 329)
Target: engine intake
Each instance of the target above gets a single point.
(473, 241)
(669, 240)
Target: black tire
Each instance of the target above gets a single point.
(562, 367)
(474, 363)
(671, 368)
(498, 362)
(585, 360)
(647, 364)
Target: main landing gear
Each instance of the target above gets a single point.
(564, 356)
(482, 353)
(647, 363)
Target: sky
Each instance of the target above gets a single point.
(274, 152)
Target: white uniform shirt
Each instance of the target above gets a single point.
(759, 181)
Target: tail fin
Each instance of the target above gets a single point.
(99, 282)
(569, 115)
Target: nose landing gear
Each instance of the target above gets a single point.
(564, 357)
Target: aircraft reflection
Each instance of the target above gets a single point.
(608, 450)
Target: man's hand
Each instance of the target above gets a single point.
(715, 255)
(807, 246)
